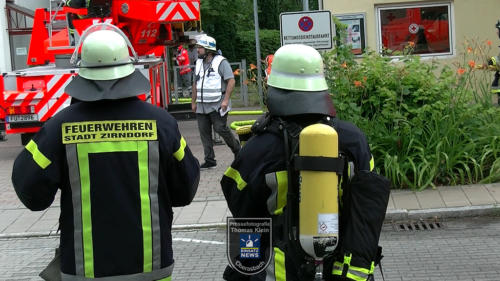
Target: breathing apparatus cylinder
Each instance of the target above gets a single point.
(318, 207)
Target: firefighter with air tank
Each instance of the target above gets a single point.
(298, 168)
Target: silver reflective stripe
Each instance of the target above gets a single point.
(74, 179)
(210, 90)
(297, 75)
(272, 183)
(350, 170)
(153, 164)
(270, 275)
(357, 273)
(153, 275)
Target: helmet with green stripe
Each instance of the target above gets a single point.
(297, 83)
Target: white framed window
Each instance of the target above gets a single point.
(356, 31)
(428, 28)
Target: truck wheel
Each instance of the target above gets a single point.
(25, 138)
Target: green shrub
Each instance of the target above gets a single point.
(426, 126)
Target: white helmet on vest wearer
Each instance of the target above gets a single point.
(206, 42)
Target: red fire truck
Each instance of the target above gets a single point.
(426, 27)
(31, 96)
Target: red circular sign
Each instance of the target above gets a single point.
(306, 23)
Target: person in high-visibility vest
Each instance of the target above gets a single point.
(120, 163)
(494, 64)
(211, 98)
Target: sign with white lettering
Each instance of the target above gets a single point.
(312, 28)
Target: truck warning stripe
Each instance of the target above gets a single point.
(57, 88)
(97, 131)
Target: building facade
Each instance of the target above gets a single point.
(440, 29)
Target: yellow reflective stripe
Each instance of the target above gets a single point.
(279, 265)
(494, 60)
(88, 245)
(337, 268)
(353, 272)
(372, 163)
(235, 175)
(179, 154)
(360, 269)
(347, 259)
(494, 91)
(84, 149)
(38, 156)
(282, 178)
(147, 236)
(355, 277)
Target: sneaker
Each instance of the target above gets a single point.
(207, 165)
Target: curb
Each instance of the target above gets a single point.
(452, 212)
(391, 216)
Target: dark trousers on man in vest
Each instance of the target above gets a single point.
(219, 123)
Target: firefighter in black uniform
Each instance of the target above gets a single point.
(255, 185)
(121, 165)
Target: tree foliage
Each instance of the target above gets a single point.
(231, 23)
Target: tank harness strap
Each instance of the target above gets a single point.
(317, 163)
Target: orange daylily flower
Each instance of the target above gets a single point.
(357, 83)
(469, 50)
(411, 43)
(489, 42)
(237, 72)
(472, 63)
(461, 71)
(344, 65)
(252, 66)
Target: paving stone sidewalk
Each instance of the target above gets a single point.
(210, 209)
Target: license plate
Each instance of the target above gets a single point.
(22, 118)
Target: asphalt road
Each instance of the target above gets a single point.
(460, 249)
